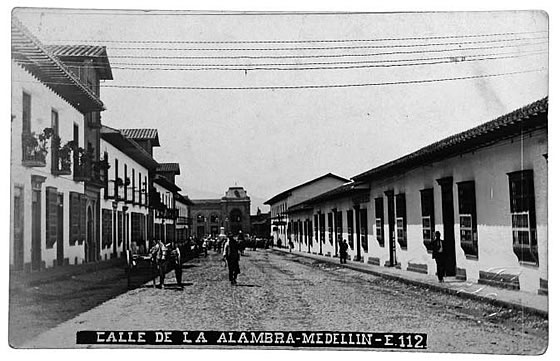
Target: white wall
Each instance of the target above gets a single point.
(43, 100)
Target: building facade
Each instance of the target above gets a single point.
(280, 203)
(232, 212)
(484, 190)
(52, 221)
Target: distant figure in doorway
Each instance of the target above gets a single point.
(437, 254)
(231, 255)
(290, 244)
(343, 251)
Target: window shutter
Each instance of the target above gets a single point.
(51, 216)
(82, 219)
(107, 228)
(74, 218)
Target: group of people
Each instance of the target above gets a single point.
(166, 257)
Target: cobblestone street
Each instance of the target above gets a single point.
(286, 292)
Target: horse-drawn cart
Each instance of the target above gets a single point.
(140, 268)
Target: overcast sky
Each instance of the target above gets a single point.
(270, 140)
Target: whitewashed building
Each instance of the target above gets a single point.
(49, 224)
(484, 189)
(125, 216)
(280, 203)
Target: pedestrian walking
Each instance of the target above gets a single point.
(437, 254)
(343, 253)
(159, 257)
(177, 265)
(290, 244)
(231, 255)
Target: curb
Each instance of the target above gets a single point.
(434, 287)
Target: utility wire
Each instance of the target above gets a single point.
(326, 47)
(287, 87)
(301, 41)
(140, 66)
(393, 63)
(315, 55)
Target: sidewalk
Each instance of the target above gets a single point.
(35, 278)
(528, 302)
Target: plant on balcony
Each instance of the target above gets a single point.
(35, 147)
(62, 155)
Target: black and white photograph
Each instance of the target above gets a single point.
(279, 180)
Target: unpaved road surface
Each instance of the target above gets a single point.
(287, 292)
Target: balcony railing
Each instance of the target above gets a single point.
(33, 155)
(89, 170)
(182, 221)
(61, 157)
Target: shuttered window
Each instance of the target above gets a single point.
(401, 219)
(106, 228)
(51, 216)
(349, 223)
(428, 223)
(77, 218)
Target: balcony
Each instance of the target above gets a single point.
(34, 154)
(61, 157)
(86, 169)
(181, 221)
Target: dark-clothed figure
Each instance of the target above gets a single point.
(177, 265)
(343, 251)
(437, 254)
(231, 255)
(159, 257)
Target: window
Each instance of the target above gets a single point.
(200, 218)
(467, 218)
(26, 113)
(363, 228)
(316, 226)
(330, 228)
(214, 218)
(77, 218)
(322, 227)
(427, 208)
(401, 219)
(379, 222)
(350, 222)
(106, 228)
(51, 215)
(523, 217)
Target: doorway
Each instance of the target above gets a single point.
(357, 231)
(36, 230)
(448, 221)
(90, 242)
(60, 230)
(18, 228)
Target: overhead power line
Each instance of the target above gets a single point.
(371, 64)
(315, 56)
(302, 41)
(325, 47)
(325, 86)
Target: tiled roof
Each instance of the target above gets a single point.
(351, 188)
(142, 134)
(169, 167)
(128, 146)
(286, 193)
(529, 117)
(32, 55)
(98, 53)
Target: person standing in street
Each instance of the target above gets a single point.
(343, 253)
(437, 254)
(231, 255)
(159, 257)
(177, 265)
